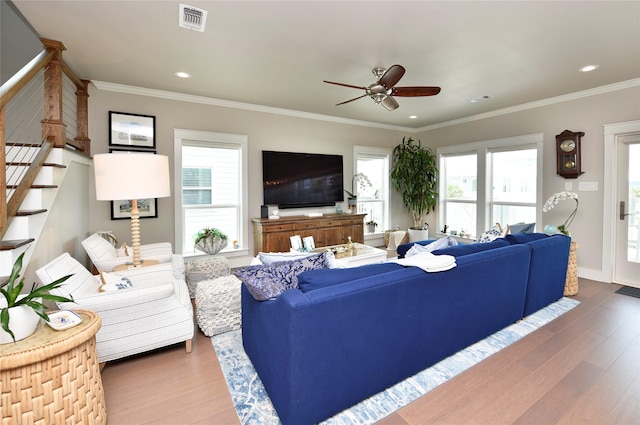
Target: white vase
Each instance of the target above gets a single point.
(417, 235)
(23, 322)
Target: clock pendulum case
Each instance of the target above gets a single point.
(568, 156)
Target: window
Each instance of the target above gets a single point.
(490, 182)
(460, 176)
(373, 200)
(211, 187)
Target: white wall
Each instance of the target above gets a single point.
(588, 114)
(265, 131)
(278, 132)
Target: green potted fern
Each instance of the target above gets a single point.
(415, 175)
(21, 313)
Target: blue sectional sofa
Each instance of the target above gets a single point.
(324, 348)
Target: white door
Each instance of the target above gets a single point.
(627, 248)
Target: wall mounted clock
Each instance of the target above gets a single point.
(568, 156)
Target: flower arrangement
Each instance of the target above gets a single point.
(362, 180)
(552, 202)
(371, 223)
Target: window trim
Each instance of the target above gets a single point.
(382, 153)
(209, 138)
(482, 149)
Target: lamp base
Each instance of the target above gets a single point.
(128, 266)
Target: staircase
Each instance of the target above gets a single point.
(43, 128)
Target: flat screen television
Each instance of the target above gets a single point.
(296, 180)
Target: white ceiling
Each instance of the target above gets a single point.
(277, 53)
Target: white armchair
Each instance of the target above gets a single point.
(155, 312)
(104, 256)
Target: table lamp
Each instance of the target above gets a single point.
(129, 177)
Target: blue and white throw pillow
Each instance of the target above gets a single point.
(493, 233)
(113, 282)
(265, 282)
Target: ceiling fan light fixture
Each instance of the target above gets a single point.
(182, 74)
(588, 68)
(413, 117)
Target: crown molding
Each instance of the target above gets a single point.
(538, 103)
(211, 101)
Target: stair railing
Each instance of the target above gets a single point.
(44, 105)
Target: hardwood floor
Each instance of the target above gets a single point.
(582, 368)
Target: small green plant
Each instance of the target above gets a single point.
(209, 232)
(11, 291)
(371, 223)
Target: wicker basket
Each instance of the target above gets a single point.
(53, 377)
(386, 237)
(571, 284)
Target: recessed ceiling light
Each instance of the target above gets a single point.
(413, 117)
(182, 74)
(588, 68)
(480, 99)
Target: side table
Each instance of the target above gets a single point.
(53, 377)
(571, 284)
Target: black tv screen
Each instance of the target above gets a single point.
(294, 179)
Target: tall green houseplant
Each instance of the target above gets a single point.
(415, 175)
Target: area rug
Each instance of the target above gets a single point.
(630, 291)
(254, 407)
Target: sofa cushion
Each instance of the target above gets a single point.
(514, 229)
(314, 279)
(277, 257)
(464, 249)
(525, 237)
(268, 281)
(495, 232)
(441, 243)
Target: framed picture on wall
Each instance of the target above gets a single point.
(132, 130)
(121, 210)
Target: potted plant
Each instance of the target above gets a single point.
(210, 240)
(415, 175)
(21, 313)
(371, 226)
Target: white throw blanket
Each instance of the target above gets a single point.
(429, 262)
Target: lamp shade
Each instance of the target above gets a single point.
(126, 176)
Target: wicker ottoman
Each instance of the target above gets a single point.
(218, 305)
(205, 268)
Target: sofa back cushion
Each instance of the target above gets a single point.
(525, 237)
(314, 279)
(80, 284)
(465, 249)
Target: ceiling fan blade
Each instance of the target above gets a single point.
(389, 103)
(391, 77)
(351, 100)
(415, 91)
(345, 85)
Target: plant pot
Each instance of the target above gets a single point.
(417, 235)
(352, 202)
(211, 246)
(371, 228)
(23, 322)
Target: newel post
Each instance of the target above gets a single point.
(82, 96)
(53, 127)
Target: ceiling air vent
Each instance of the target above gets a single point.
(192, 18)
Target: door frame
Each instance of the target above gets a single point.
(610, 206)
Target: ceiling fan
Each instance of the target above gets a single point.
(383, 90)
